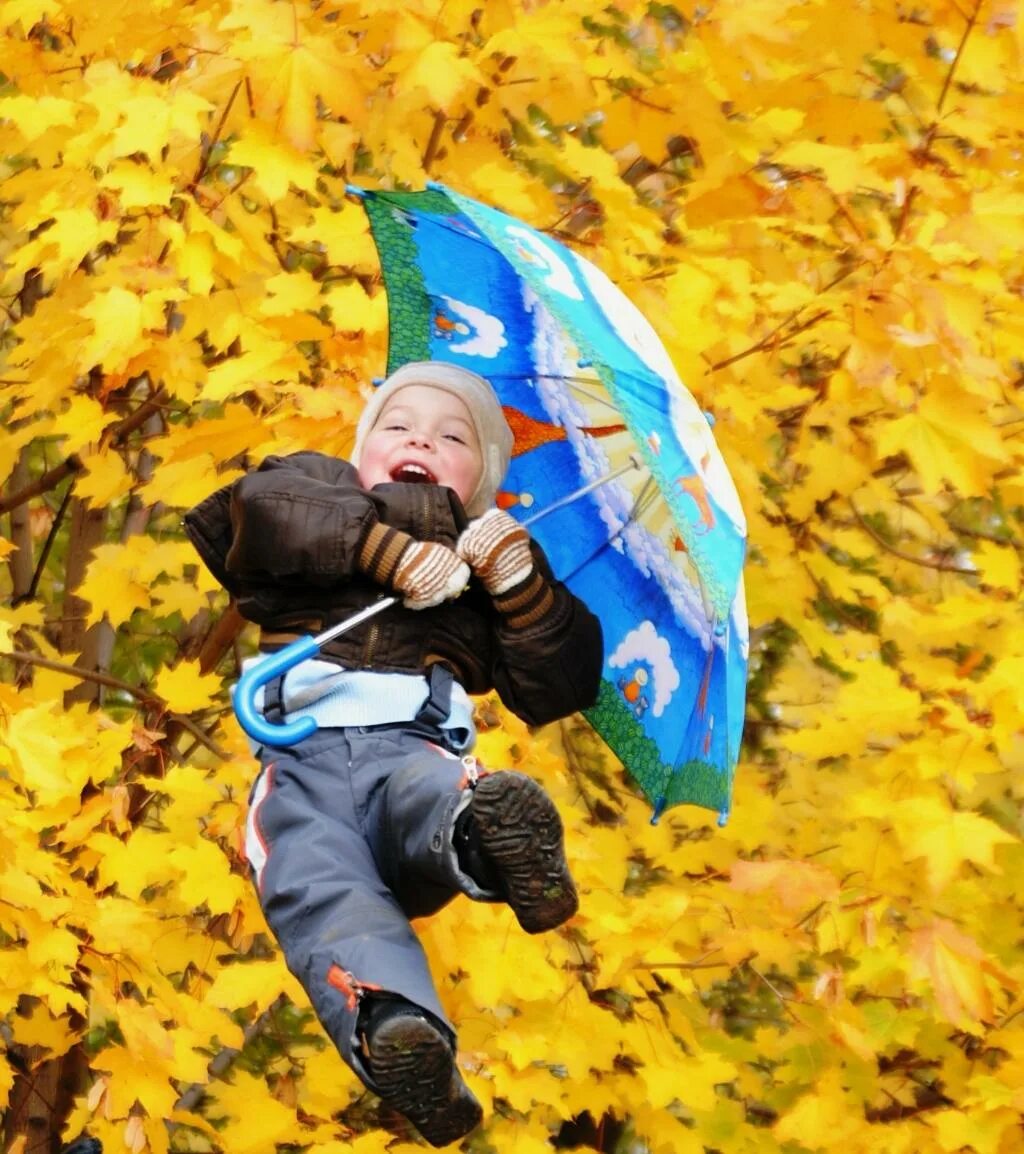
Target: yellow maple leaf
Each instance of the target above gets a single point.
(206, 877)
(47, 755)
(523, 1089)
(822, 1118)
(982, 1129)
(254, 983)
(184, 483)
(929, 827)
(255, 1120)
(35, 116)
(41, 1028)
(104, 478)
(946, 440)
(345, 235)
(112, 586)
(290, 292)
(512, 1136)
(138, 186)
(845, 169)
(275, 163)
(131, 865)
(438, 71)
(131, 1080)
(959, 971)
(82, 422)
(179, 596)
(117, 318)
(264, 361)
(185, 689)
(795, 884)
(998, 565)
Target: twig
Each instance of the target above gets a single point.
(570, 760)
(778, 993)
(141, 695)
(49, 480)
(773, 338)
(700, 964)
(981, 535)
(33, 586)
(223, 1061)
(942, 565)
(88, 675)
(434, 143)
(971, 21)
(73, 464)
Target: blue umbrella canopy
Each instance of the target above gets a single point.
(614, 469)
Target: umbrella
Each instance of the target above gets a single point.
(614, 469)
(640, 516)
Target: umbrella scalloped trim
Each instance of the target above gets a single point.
(692, 782)
(408, 328)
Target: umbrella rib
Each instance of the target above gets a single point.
(634, 463)
(644, 499)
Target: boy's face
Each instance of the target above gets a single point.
(423, 435)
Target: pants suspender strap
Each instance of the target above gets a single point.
(438, 706)
(273, 700)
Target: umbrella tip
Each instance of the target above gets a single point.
(435, 184)
(659, 809)
(723, 817)
(355, 190)
(710, 418)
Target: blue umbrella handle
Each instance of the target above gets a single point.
(255, 677)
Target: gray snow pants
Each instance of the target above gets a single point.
(349, 835)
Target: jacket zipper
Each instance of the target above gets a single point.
(371, 644)
(428, 515)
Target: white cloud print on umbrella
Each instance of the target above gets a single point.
(470, 331)
(644, 645)
(614, 500)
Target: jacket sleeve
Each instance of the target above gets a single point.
(550, 648)
(298, 520)
(295, 520)
(303, 520)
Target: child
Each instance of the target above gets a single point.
(381, 815)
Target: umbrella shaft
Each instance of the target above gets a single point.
(321, 639)
(356, 619)
(634, 463)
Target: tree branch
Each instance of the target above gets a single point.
(773, 339)
(225, 1059)
(971, 21)
(140, 695)
(44, 556)
(434, 143)
(49, 480)
(925, 562)
(73, 464)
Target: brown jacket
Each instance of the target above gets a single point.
(284, 541)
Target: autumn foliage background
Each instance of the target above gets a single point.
(819, 205)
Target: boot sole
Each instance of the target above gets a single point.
(521, 831)
(414, 1069)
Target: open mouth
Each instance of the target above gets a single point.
(413, 474)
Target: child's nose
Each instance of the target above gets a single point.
(416, 437)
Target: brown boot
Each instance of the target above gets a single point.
(413, 1067)
(517, 830)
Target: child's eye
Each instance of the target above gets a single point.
(454, 437)
(395, 427)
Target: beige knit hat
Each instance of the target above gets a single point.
(480, 399)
